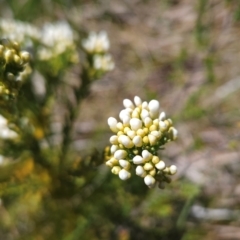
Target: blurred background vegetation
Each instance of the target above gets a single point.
(184, 53)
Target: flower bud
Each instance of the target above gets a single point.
(128, 103)
(114, 139)
(113, 149)
(152, 139)
(131, 134)
(138, 160)
(137, 101)
(162, 116)
(148, 121)
(149, 181)
(25, 56)
(125, 140)
(160, 165)
(135, 124)
(137, 140)
(116, 170)
(124, 113)
(135, 114)
(153, 172)
(120, 154)
(140, 171)
(124, 163)
(124, 174)
(172, 169)
(155, 159)
(140, 133)
(112, 122)
(146, 155)
(154, 108)
(162, 126)
(148, 166)
(144, 114)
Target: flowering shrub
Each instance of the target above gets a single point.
(142, 131)
(46, 69)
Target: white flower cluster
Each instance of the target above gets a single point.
(103, 62)
(97, 46)
(57, 38)
(19, 31)
(5, 131)
(143, 129)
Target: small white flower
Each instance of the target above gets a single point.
(5, 131)
(96, 43)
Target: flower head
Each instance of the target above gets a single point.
(139, 134)
(96, 43)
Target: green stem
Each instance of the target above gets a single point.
(80, 93)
